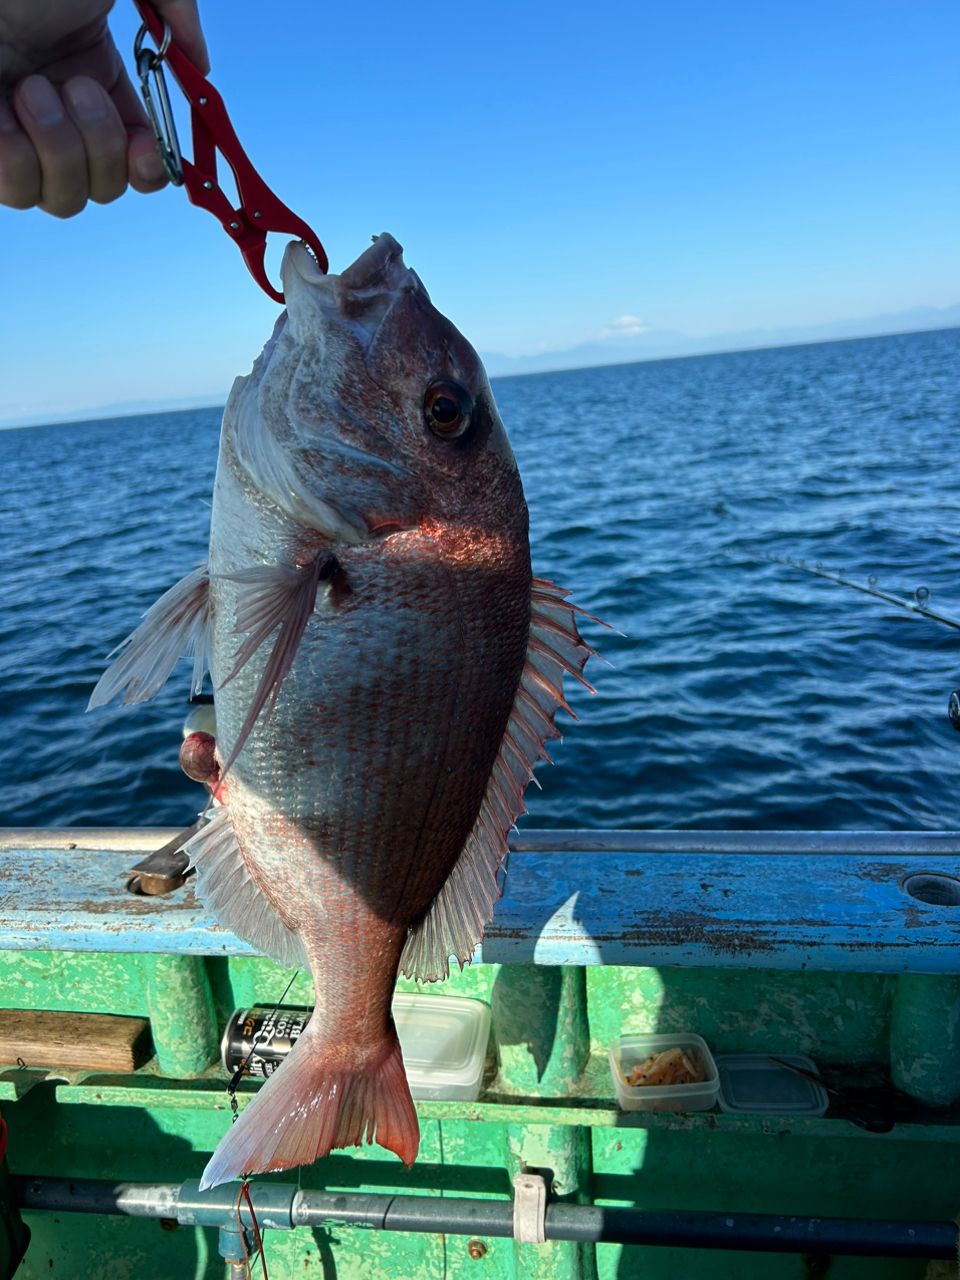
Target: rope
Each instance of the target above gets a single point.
(245, 1191)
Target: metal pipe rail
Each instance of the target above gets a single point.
(282, 1206)
(563, 840)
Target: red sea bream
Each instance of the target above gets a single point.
(386, 672)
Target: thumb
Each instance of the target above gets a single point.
(184, 22)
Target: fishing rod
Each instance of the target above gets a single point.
(919, 606)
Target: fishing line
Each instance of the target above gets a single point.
(234, 1116)
(256, 1227)
(245, 1193)
(238, 1074)
(248, 1269)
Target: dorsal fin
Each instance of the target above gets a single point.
(455, 921)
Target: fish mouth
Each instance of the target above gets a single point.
(356, 301)
(379, 267)
(292, 438)
(378, 272)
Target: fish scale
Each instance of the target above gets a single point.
(386, 672)
(364, 731)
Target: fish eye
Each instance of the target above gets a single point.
(447, 408)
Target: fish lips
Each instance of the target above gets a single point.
(382, 303)
(357, 299)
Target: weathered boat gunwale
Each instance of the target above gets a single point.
(820, 901)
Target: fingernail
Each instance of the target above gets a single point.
(149, 167)
(41, 101)
(85, 100)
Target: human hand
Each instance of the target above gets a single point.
(72, 128)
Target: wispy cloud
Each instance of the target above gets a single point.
(626, 326)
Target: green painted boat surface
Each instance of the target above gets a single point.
(819, 950)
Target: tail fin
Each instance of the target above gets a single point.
(309, 1106)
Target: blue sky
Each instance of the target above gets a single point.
(558, 174)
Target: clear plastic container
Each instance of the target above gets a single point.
(753, 1083)
(444, 1044)
(629, 1051)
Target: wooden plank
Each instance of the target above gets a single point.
(94, 1041)
(827, 912)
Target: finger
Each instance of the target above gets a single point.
(58, 144)
(184, 23)
(19, 166)
(145, 171)
(104, 137)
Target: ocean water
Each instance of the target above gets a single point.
(741, 693)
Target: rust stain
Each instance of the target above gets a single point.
(913, 917)
(116, 902)
(884, 872)
(681, 928)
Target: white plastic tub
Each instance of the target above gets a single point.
(755, 1084)
(444, 1044)
(629, 1051)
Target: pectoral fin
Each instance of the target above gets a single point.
(277, 598)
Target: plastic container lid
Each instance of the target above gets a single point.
(753, 1083)
(630, 1051)
(444, 1044)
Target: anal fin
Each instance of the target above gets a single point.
(227, 889)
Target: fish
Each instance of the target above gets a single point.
(387, 671)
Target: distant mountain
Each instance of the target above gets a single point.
(117, 409)
(624, 348)
(659, 344)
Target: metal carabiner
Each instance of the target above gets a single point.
(150, 63)
(259, 211)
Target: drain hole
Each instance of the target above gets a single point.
(938, 890)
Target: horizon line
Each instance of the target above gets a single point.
(74, 420)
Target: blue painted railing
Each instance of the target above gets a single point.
(782, 900)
